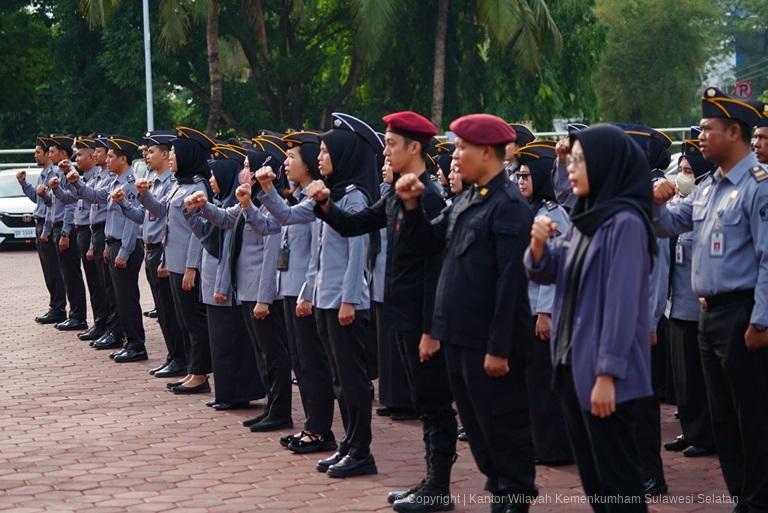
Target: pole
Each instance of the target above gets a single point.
(148, 68)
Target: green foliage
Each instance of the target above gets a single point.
(655, 52)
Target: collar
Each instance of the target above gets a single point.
(164, 177)
(496, 183)
(124, 177)
(739, 171)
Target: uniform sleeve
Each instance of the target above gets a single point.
(285, 215)
(259, 222)
(222, 284)
(671, 220)
(547, 270)
(659, 284)
(64, 194)
(69, 219)
(29, 191)
(348, 224)
(268, 272)
(758, 225)
(546, 293)
(130, 232)
(354, 275)
(420, 231)
(151, 203)
(196, 223)
(89, 194)
(221, 217)
(308, 288)
(510, 231)
(626, 269)
(48, 224)
(433, 205)
(132, 211)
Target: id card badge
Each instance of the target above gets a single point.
(679, 254)
(80, 205)
(716, 244)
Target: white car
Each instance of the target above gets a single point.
(17, 224)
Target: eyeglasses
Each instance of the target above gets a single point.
(574, 159)
(523, 176)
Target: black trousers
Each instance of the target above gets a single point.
(737, 390)
(691, 393)
(127, 296)
(49, 261)
(312, 367)
(431, 394)
(648, 414)
(550, 441)
(191, 313)
(351, 383)
(235, 370)
(69, 261)
(494, 413)
(394, 389)
(99, 243)
(606, 452)
(270, 346)
(96, 290)
(166, 312)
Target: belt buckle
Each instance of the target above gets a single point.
(703, 303)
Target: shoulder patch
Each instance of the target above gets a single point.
(130, 178)
(551, 205)
(759, 174)
(351, 187)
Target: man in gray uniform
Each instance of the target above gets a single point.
(728, 214)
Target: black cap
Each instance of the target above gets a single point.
(122, 143)
(576, 127)
(100, 141)
(343, 121)
(717, 104)
(524, 135)
(156, 137)
(229, 151)
(43, 141)
(695, 131)
(65, 142)
(445, 147)
(535, 151)
(207, 142)
(84, 143)
(274, 146)
(292, 139)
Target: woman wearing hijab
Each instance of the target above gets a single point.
(534, 179)
(249, 268)
(234, 363)
(600, 351)
(690, 392)
(182, 255)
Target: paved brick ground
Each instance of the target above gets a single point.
(80, 433)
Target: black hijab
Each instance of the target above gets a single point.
(700, 165)
(225, 171)
(191, 161)
(354, 163)
(541, 180)
(258, 159)
(618, 180)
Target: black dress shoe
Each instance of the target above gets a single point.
(677, 445)
(211, 403)
(383, 411)
(462, 435)
(399, 495)
(696, 451)
(271, 425)
(131, 355)
(152, 314)
(425, 499)
(172, 370)
(287, 440)
(119, 351)
(400, 414)
(158, 368)
(654, 486)
(51, 317)
(202, 388)
(148, 313)
(316, 443)
(108, 341)
(230, 406)
(349, 467)
(71, 325)
(555, 462)
(100, 339)
(255, 420)
(295, 380)
(92, 333)
(175, 384)
(324, 465)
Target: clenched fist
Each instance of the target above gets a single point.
(42, 190)
(543, 228)
(142, 186)
(663, 191)
(243, 194)
(53, 183)
(118, 194)
(73, 176)
(318, 191)
(265, 176)
(21, 176)
(409, 189)
(196, 200)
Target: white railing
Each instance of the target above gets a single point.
(20, 151)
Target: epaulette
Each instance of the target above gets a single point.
(199, 179)
(759, 174)
(551, 205)
(351, 187)
(512, 191)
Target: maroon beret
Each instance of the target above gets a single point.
(411, 125)
(483, 129)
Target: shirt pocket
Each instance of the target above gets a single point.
(467, 237)
(699, 211)
(730, 212)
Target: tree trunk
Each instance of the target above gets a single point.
(438, 80)
(214, 74)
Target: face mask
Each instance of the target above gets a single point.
(685, 183)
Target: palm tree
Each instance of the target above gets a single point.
(525, 25)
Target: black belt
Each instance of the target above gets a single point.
(727, 298)
(98, 226)
(110, 240)
(154, 245)
(59, 224)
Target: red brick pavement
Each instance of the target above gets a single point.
(81, 433)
